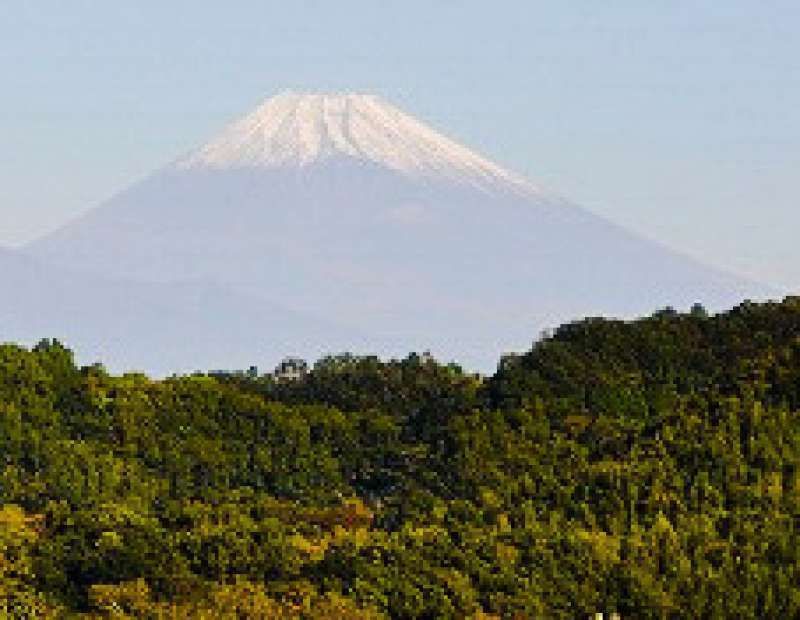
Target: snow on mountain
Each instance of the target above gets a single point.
(297, 130)
(342, 207)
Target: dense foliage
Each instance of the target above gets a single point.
(650, 468)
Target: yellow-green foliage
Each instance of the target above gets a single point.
(650, 468)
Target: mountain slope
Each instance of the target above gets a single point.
(342, 206)
(161, 328)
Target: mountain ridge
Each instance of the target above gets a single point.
(157, 327)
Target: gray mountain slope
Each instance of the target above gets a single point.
(467, 274)
(155, 327)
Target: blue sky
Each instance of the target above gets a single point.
(680, 120)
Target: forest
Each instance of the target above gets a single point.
(649, 468)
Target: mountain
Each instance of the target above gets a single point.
(161, 328)
(343, 207)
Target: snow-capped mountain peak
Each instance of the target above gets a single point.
(344, 208)
(297, 130)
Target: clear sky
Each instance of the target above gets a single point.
(678, 119)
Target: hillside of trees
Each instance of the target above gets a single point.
(649, 468)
